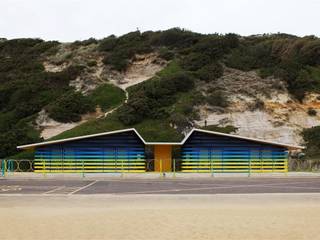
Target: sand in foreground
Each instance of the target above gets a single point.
(259, 216)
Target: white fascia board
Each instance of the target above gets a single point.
(78, 138)
(289, 146)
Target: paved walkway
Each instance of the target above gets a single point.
(235, 185)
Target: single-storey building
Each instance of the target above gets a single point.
(124, 151)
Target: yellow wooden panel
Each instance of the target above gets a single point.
(162, 158)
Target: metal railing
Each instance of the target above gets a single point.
(10, 167)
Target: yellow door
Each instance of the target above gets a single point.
(162, 158)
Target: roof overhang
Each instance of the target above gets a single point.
(34, 145)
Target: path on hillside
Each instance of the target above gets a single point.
(124, 102)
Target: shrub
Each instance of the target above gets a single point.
(217, 98)
(58, 79)
(212, 46)
(231, 40)
(148, 100)
(312, 112)
(70, 107)
(180, 121)
(166, 54)
(175, 38)
(108, 44)
(311, 137)
(265, 72)
(85, 42)
(118, 60)
(195, 61)
(310, 52)
(216, 128)
(135, 110)
(210, 72)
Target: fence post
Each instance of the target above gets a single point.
(8, 166)
(212, 175)
(249, 173)
(286, 162)
(160, 167)
(12, 165)
(174, 168)
(122, 168)
(3, 167)
(43, 168)
(82, 168)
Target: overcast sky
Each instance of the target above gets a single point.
(69, 20)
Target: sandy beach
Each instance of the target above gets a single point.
(256, 216)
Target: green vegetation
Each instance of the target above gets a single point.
(119, 51)
(149, 99)
(210, 72)
(311, 136)
(26, 88)
(107, 96)
(290, 58)
(161, 107)
(151, 129)
(70, 107)
(218, 99)
(216, 128)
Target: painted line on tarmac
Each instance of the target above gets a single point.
(84, 187)
(246, 185)
(53, 190)
(276, 185)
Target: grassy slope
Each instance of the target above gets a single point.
(107, 96)
(150, 129)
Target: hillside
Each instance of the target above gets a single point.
(162, 83)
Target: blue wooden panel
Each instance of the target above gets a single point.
(204, 152)
(109, 153)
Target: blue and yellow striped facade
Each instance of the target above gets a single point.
(204, 152)
(121, 152)
(124, 151)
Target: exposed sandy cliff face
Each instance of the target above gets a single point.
(279, 119)
(142, 68)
